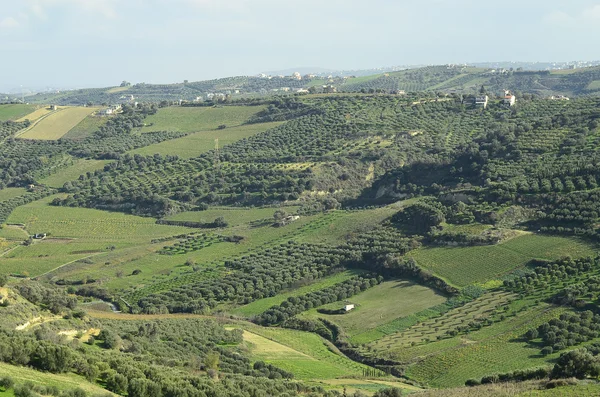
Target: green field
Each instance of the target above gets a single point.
(462, 266)
(72, 172)
(380, 305)
(86, 127)
(76, 233)
(90, 224)
(194, 119)
(13, 233)
(162, 268)
(306, 355)
(494, 349)
(57, 124)
(63, 381)
(594, 85)
(233, 216)
(11, 192)
(335, 229)
(436, 327)
(200, 142)
(15, 111)
(261, 305)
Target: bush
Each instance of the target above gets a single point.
(7, 382)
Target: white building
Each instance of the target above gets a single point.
(509, 98)
(482, 100)
(348, 307)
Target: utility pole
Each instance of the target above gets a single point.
(217, 160)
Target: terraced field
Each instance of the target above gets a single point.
(467, 265)
(495, 349)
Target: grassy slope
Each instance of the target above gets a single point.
(467, 265)
(380, 305)
(160, 268)
(494, 349)
(58, 124)
(76, 233)
(86, 127)
(233, 216)
(200, 142)
(340, 225)
(193, 119)
(72, 172)
(36, 114)
(261, 305)
(63, 381)
(15, 112)
(304, 354)
(11, 192)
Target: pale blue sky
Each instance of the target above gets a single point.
(102, 42)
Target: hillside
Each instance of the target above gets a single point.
(305, 245)
(446, 79)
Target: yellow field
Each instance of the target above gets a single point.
(35, 115)
(114, 90)
(57, 124)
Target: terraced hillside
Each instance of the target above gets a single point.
(351, 241)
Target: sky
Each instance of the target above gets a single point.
(91, 43)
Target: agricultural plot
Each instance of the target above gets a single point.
(337, 227)
(115, 90)
(192, 243)
(521, 389)
(13, 233)
(462, 266)
(163, 272)
(36, 114)
(306, 355)
(259, 306)
(193, 119)
(438, 327)
(494, 349)
(379, 305)
(200, 142)
(75, 234)
(594, 85)
(86, 127)
(233, 216)
(15, 111)
(72, 172)
(96, 225)
(57, 124)
(11, 192)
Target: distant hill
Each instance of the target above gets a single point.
(445, 78)
(301, 70)
(460, 79)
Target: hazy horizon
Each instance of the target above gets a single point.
(96, 43)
